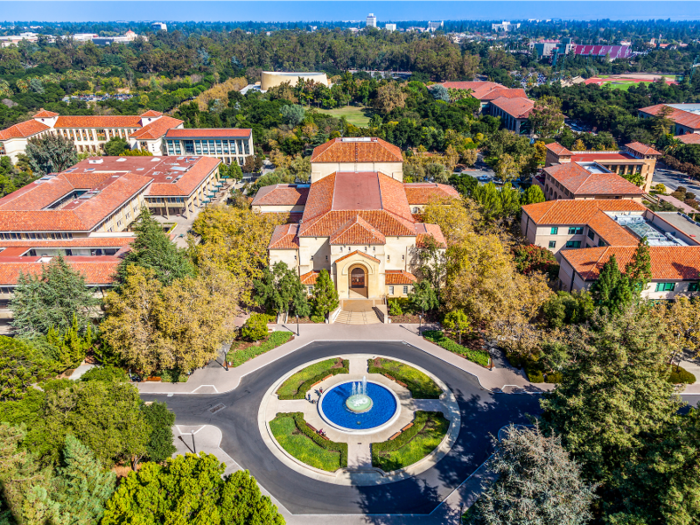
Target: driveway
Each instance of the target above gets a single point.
(483, 414)
(672, 179)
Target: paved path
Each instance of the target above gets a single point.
(216, 380)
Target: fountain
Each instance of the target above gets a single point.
(359, 401)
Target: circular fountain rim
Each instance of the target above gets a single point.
(363, 431)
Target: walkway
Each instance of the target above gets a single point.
(502, 379)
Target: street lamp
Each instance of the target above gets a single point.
(420, 322)
(298, 325)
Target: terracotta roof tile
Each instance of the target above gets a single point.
(97, 270)
(689, 138)
(423, 231)
(23, 130)
(156, 129)
(309, 278)
(610, 231)
(576, 212)
(679, 116)
(151, 113)
(45, 114)
(424, 192)
(393, 277)
(479, 88)
(358, 252)
(558, 149)
(281, 195)
(285, 237)
(667, 262)
(504, 92)
(357, 231)
(579, 181)
(357, 150)
(642, 149)
(515, 107)
(83, 242)
(98, 121)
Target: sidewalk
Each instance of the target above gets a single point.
(213, 380)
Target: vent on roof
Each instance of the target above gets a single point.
(95, 161)
(139, 169)
(168, 177)
(90, 169)
(180, 168)
(356, 139)
(44, 259)
(71, 170)
(155, 159)
(121, 159)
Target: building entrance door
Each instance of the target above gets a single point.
(357, 278)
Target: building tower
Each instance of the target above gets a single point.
(371, 20)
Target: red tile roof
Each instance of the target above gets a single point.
(45, 114)
(576, 212)
(358, 252)
(642, 149)
(189, 182)
(97, 270)
(151, 113)
(515, 107)
(610, 231)
(393, 277)
(197, 133)
(156, 129)
(601, 156)
(285, 237)
(579, 181)
(281, 195)
(357, 231)
(504, 92)
(424, 192)
(83, 242)
(679, 116)
(423, 231)
(309, 278)
(23, 130)
(558, 149)
(479, 88)
(357, 150)
(98, 121)
(689, 138)
(667, 262)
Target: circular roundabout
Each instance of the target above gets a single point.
(359, 419)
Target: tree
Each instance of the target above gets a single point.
(21, 365)
(192, 488)
(546, 117)
(153, 249)
(281, 290)
(423, 296)
(325, 295)
(540, 152)
(160, 443)
(115, 146)
(181, 326)
(432, 263)
(682, 318)
(252, 164)
(293, 114)
(50, 153)
(661, 124)
(566, 308)
(457, 321)
(255, 327)
(612, 289)
(533, 258)
(52, 299)
(83, 486)
(579, 145)
(638, 270)
(536, 482)
(440, 92)
(532, 195)
(71, 346)
(389, 97)
(614, 390)
(507, 168)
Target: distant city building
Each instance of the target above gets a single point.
(390, 27)
(504, 26)
(371, 20)
(126, 38)
(159, 26)
(434, 26)
(554, 48)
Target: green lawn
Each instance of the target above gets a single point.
(414, 444)
(355, 115)
(439, 338)
(237, 355)
(290, 388)
(301, 446)
(420, 385)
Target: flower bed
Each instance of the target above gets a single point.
(296, 386)
(298, 439)
(247, 351)
(412, 445)
(419, 384)
(479, 357)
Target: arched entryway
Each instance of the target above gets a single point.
(357, 284)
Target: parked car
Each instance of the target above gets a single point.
(483, 178)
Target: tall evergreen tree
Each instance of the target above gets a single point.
(154, 250)
(51, 153)
(84, 486)
(638, 270)
(161, 420)
(281, 290)
(325, 298)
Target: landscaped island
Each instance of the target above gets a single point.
(418, 383)
(296, 386)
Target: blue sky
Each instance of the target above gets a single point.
(270, 11)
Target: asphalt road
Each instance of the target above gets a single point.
(672, 179)
(483, 414)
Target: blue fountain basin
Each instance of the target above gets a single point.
(333, 408)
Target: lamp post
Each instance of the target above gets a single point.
(420, 322)
(298, 325)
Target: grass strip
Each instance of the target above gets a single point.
(428, 430)
(476, 356)
(418, 383)
(294, 436)
(275, 339)
(296, 386)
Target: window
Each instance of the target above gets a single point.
(295, 257)
(311, 289)
(694, 287)
(665, 287)
(391, 290)
(575, 230)
(573, 244)
(312, 257)
(326, 257)
(554, 230)
(601, 242)
(403, 257)
(591, 234)
(405, 290)
(552, 244)
(69, 252)
(388, 257)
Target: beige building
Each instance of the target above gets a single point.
(634, 158)
(349, 154)
(583, 234)
(272, 79)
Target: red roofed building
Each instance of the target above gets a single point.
(358, 225)
(356, 154)
(686, 117)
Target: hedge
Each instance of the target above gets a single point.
(680, 375)
(300, 422)
(306, 385)
(428, 391)
(477, 356)
(238, 357)
(405, 436)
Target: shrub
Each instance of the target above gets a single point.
(476, 356)
(255, 328)
(681, 375)
(105, 373)
(300, 422)
(306, 385)
(395, 307)
(238, 357)
(419, 384)
(532, 258)
(317, 319)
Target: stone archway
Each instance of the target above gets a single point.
(357, 281)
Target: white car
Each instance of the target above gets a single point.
(483, 178)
